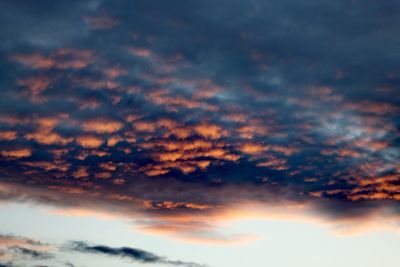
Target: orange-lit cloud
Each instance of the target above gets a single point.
(211, 131)
(35, 84)
(65, 58)
(89, 141)
(16, 153)
(8, 135)
(102, 126)
(140, 51)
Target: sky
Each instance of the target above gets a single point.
(199, 133)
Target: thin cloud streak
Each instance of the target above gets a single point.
(128, 253)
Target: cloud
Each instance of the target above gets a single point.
(15, 251)
(101, 22)
(30, 253)
(10, 240)
(172, 117)
(64, 58)
(127, 253)
(16, 153)
(89, 141)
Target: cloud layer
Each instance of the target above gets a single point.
(175, 113)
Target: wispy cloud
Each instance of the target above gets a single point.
(14, 249)
(129, 253)
(17, 251)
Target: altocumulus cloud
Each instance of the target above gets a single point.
(279, 103)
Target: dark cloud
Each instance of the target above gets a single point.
(128, 253)
(30, 253)
(188, 108)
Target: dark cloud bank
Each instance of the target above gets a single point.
(174, 109)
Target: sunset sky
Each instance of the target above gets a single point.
(207, 133)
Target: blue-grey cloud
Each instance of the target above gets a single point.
(128, 253)
(185, 107)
